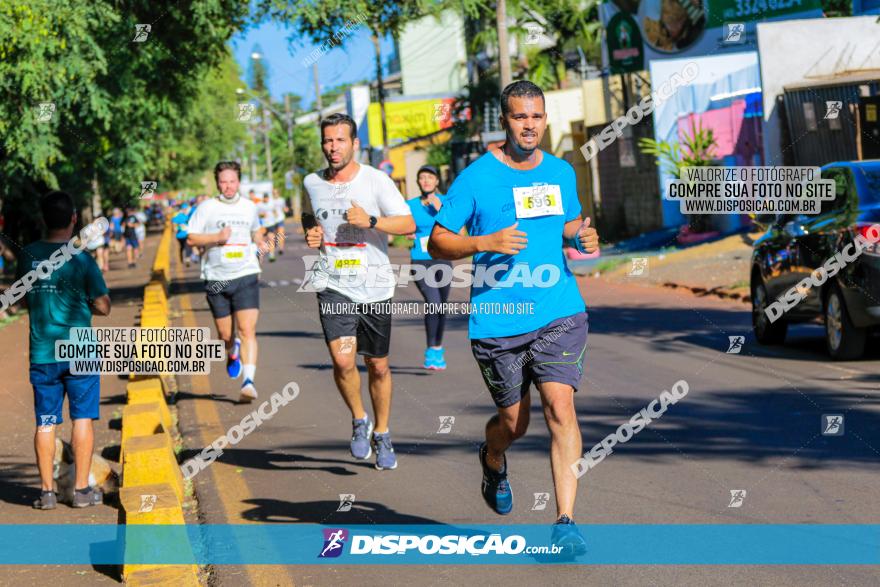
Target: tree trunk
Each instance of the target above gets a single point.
(503, 46)
(381, 91)
(94, 211)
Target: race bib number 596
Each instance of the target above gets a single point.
(541, 200)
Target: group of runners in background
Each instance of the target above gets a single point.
(489, 213)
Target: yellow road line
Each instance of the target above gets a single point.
(234, 491)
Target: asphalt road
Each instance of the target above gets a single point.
(750, 421)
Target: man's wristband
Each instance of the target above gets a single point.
(575, 243)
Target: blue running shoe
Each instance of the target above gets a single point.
(360, 438)
(233, 361)
(385, 457)
(439, 359)
(496, 489)
(430, 355)
(567, 536)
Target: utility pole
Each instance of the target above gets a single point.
(267, 124)
(295, 198)
(380, 89)
(253, 157)
(289, 119)
(317, 90)
(503, 46)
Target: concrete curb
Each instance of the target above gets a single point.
(152, 485)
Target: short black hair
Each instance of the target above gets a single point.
(223, 166)
(519, 89)
(337, 119)
(57, 208)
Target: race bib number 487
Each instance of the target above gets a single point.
(541, 200)
(345, 260)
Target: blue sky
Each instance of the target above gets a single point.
(284, 53)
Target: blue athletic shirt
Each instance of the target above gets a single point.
(482, 199)
(181, 219)
(424, 217)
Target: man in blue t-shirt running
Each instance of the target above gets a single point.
(528, 322)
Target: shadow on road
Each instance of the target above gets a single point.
(186, 286)
(181, 396)
(281, 461)
(17, 482)
(395, 369)
(292, 334)
(750, 426)
(709, 328)
(324, 512)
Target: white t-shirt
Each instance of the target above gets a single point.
(264, 211)
(238, 257)
(278, 206)
(141, 229)
(351, 256)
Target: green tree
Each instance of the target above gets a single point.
(573, 23)
(330, 95)
(696, 149)
(120, 107)
(329, 23)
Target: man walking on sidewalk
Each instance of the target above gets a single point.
(520, 206)
(64, 299)
(229, 229)
(356, 207)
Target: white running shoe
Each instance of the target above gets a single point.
(248, 392)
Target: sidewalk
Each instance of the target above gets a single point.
(19, 480)
(719, 268)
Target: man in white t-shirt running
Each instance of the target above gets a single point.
(355, 207)
(271, 219)
(229, 229)
(281, 210)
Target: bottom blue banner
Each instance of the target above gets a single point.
(311, 544)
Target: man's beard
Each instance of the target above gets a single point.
(342, 163)
(526, 151)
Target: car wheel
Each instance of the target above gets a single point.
(844, 340)
(766, 332)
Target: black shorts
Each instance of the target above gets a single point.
(553, 353)
(226, 297)
(273, 228)
(369, 323)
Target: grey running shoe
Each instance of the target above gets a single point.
(91, 497)
(360, 438)
(48, 501)
(385, 457)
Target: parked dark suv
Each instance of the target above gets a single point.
(794, 246)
